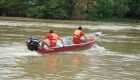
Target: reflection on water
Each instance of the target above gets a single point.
(53, 66)
(115, 55)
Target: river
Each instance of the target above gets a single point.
(115, 56)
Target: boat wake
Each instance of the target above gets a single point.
(20, 50)
(16, 51)
(97, 50)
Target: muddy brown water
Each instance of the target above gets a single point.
(115, 56)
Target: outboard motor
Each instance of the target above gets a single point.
(32, 44)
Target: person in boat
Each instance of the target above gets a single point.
(50, 40)
(78, 33)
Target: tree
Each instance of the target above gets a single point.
(120, 8)
(68, 9)
(102, 9)
(14, 7)
(55, 9)
(134, 8)
(36, 12)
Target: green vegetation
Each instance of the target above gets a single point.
(71, 9)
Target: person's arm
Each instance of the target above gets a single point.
(85, 38)
(45, 37)
(42, 38)
(61, 41)
(83, 34)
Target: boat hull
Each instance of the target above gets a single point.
(43, 50)
(35, 45)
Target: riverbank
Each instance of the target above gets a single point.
(79, 22)
(65, 27)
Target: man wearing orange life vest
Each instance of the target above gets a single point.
(50, 40)
(77, 36)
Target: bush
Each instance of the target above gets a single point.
(104, 9)
(120, 8)
(57, 13)
(79, 10)
(134, 9)
(36, 12)
(101, 11)
(93, 14)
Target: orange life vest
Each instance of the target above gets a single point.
(54, 38)
(76, 34)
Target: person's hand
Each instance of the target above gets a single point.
(63, 45)
(39, 40)
(87, 40)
